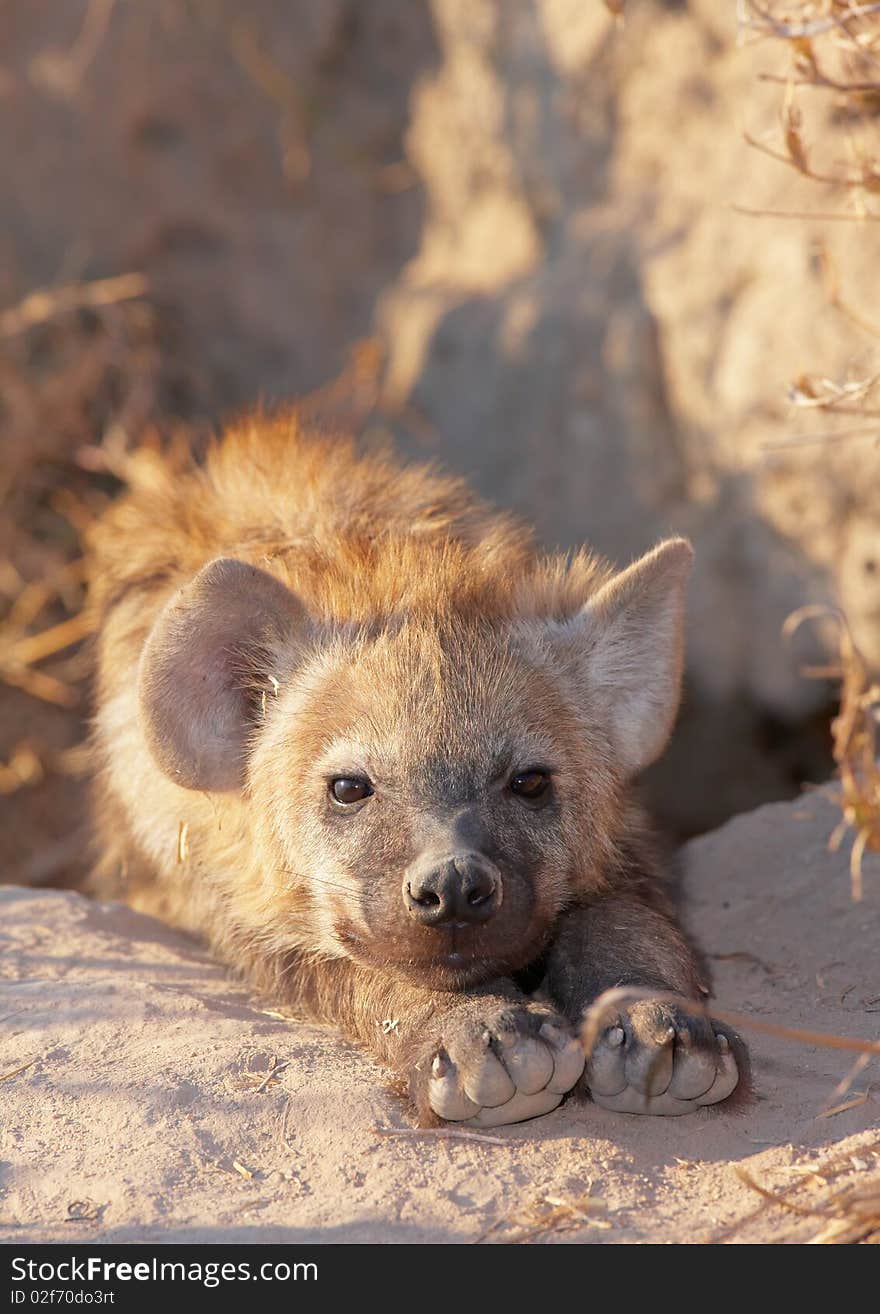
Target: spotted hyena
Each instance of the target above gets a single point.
(358, 734)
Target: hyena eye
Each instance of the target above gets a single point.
(530, 785)
(350, 789)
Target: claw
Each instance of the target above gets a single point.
(487, 1082)
(551, 1034)
(614, 1036)
(568, 1058)
(446, 1097)
(606, 1074)
(723, 1042)
(529, 1063)
(725, 1081)
(649, 1067)
(440, 1066)
(693, 1073)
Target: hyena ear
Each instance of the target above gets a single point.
(212, 641)
(626, 646)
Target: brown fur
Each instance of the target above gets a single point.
(375, 619)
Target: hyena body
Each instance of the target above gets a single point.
(355, 732)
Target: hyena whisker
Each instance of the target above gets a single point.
(324, 882)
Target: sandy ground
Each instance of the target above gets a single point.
(135, 1103)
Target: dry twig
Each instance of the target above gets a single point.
(854, 737)
(443, 1134)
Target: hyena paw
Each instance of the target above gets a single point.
(659, 1059)
(501, 1064)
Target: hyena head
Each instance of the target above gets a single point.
(426, 794)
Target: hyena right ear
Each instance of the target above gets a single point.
(625, 651)
(214, 637)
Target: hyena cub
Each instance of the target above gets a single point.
(356, 733)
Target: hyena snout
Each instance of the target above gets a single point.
(459, 889)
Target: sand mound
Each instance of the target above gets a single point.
(137, 1101)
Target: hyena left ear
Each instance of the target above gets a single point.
(213, 640)
(626, 648)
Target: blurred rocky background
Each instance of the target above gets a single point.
(592, 264)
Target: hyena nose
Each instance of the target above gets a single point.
(463, 888)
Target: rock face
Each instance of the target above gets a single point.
(136, 1088)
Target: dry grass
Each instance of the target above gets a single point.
(829, 110)
(845, 1213)
(854, 739)
(93, 386)
(546, 1215)
(86, 384)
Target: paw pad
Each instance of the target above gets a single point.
(517, 1066)
(644, 1064)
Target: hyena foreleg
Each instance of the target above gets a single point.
(651, 1056)
(486, 1056)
